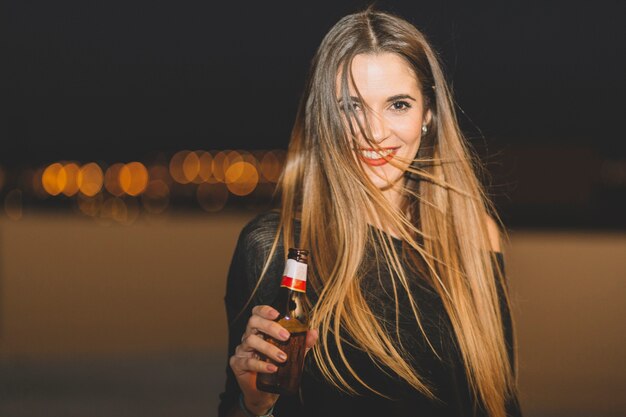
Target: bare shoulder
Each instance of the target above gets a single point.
(494, 234)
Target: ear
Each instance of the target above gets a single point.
(428, 117)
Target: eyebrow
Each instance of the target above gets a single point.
(392, 98)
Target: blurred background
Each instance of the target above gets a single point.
(139, 137)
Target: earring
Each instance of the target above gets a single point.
(424, 129)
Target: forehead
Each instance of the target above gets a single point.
(380, 75)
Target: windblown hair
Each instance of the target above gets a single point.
(443, 217)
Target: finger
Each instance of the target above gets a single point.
(311, 338)
(258, 344)
(248, 332)
(269, 327)
(241, 365)
(266, 312)
(241, 352)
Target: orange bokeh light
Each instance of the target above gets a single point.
(176, 167)
(206, 167)
(112, 180)
(191, 167)
(133, 178)
(54, 179)
(241, 178)
(90, 179)
(71, 182)
(219, 161)
(271, 166)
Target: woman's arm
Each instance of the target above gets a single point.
(247, 322)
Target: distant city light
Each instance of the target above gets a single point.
(133, 178)
(121, 192)
(205, 173)
(220, 160)
(90, 179)
(191, 167)
(71, 179)
(241, 178)
(271, 166)
(176, 167)
(54, 179)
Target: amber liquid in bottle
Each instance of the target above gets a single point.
(293, 315)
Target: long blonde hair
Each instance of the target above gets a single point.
(443, 218)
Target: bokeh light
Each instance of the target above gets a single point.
(133, 178)
(112, 180)
(232, 157)
(219, 161)
(90, 179)
(205, 174)
(71, 182)
(176, 167)
(124, 192)
(241, 178)
(191, 167)
(271, 166)
(54, 178)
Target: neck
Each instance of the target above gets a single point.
(394, 197)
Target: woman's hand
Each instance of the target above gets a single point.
(245, 362)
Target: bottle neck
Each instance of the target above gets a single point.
(294, 277)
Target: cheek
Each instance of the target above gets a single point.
(410, 132)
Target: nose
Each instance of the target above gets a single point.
(379, 127)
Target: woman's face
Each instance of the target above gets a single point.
(396, 113)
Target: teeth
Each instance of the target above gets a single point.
(375, 154)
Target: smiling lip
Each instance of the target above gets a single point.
(377, 161)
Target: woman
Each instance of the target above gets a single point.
(405, 276)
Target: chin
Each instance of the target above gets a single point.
(386, 178)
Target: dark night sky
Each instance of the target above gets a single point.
(116, 80)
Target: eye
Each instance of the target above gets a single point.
(352, 105)
(401, 105)
(355, 106)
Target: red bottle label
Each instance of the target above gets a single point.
(294, 284)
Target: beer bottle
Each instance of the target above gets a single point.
(292, 307)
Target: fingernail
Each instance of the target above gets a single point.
(284, 334)
(272, 368)
(282, 356)
(274, 313)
